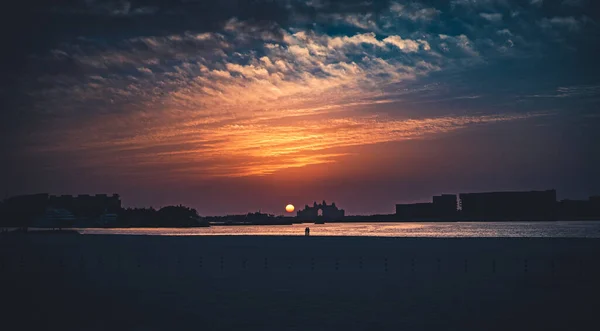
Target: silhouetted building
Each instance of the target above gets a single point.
(49, 211)
(443, 207)
(531, 205)
(579, 209)
(321, 211)
(32, 202)
(87, 205)
(22, 210)
(415, 211)
(595, 206)
(573, 209)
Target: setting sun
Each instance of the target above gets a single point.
(289, 208)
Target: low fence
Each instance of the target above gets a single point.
(130, 262)
(308, 283)
(215, 265)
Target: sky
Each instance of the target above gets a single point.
(233, 106)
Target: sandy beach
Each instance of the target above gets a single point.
(90, 282)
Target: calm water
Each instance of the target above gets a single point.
(587, 229)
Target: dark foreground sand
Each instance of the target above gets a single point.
(74, 282)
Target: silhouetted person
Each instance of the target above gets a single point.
(307, 231)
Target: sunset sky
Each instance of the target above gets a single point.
(234, 105)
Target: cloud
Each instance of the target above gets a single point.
(362, 21)
(316, 45)
(578, 91)
(144, 70)
(363, 38)
(478, 3)
(414, 12)
(249, 71)
(536, 2)
(248, 30)
(569, 23)
(461, 42)
(316, 4)
(574, 3)
(495, 17)
(119, 8)
(406, 45)
(145, 10)
(504, 32)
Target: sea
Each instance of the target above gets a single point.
(566, 229)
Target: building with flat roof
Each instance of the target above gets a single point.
(415, 211)
(87, 205)
(443, 207)
(525, 205)
(40, 208)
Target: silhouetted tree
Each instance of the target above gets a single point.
(170, 216)
(177, 216)
(138, 217)
(21, 211)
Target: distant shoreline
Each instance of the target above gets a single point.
(553, 229)
(75, 229)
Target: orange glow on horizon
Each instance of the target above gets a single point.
(258, 147)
